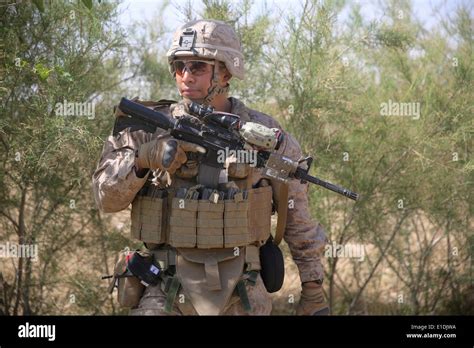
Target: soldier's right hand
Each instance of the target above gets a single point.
(165, 153)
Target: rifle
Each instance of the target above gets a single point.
(221, 131)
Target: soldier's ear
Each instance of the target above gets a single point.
(226, 75)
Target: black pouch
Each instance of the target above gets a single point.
(273, 266)
(144, 268)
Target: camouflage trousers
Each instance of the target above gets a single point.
(153, 302)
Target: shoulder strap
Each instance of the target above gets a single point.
(282, 214)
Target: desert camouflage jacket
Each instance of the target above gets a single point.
(115, 185)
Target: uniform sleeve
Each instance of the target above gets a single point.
(115, 183)
(305, 237)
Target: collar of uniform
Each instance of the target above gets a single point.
(239, 108)
(179, 109)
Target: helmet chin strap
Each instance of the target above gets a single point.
(215, 89)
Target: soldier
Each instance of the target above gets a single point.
(204, 274)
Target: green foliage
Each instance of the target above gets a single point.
(410, 170)
(324, 76)
(46, 157)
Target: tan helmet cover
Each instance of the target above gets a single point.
(208, 39)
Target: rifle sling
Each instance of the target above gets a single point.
(282, 213)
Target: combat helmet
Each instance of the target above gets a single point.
(208, 39)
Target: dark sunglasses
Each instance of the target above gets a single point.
(195, 67)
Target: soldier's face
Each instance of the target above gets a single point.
(193, 78)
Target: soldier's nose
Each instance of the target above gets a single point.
(187, 76)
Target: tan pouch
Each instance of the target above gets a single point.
(260, 213)
(236, 224)
(130, 290)
(210, 224)
(209, 277)
(136, 224)
(183, 223)
(147, 219)
(252, 258)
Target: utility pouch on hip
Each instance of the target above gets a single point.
(130, 290)
(129, 287)
(143, 266)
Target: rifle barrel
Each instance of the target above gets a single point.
(301, 174)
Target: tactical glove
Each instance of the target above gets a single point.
(312, 300)
(165, 153)
(238, 170)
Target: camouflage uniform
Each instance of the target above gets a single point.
(116, 184)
